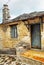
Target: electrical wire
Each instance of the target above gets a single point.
(2, 7)
(7, 1)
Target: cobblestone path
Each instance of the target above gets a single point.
(10, 60)
(7, 60)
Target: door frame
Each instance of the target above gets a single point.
(31, 35)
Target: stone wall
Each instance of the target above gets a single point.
(24, 35)
(1, 37)
(42, 35)
(42, 38)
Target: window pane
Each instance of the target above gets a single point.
(14, 31)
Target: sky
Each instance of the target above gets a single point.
(18, 7)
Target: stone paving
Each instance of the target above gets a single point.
(10, 60)
(7, 60)
(13, 60)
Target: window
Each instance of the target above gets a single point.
(14, 31)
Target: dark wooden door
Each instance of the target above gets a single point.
(35, 36)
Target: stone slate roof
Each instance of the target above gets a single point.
(27, 16)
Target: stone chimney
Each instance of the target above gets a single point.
(6, 14)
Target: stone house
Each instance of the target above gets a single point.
(26, 28)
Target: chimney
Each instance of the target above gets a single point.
(6, 14)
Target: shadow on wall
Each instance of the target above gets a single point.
(8, 51)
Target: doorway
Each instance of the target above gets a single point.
(35, 36)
